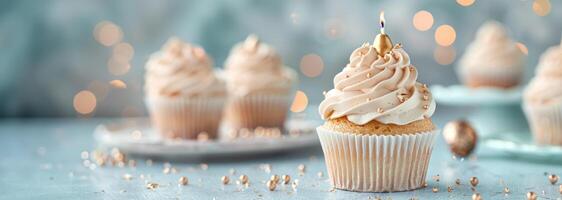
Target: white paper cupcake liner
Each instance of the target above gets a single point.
(376, 163)
(186, 118)
(545, 122)
(257, 110)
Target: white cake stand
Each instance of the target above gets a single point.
(495, 111)
(137, 137)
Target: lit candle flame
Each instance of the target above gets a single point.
(382, 21)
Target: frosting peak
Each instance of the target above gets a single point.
(253, 66)
(545, 86)
(382, 88)
(181, 69)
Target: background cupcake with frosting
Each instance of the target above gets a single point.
(492, 59)
(183, 96)
(259, 86)
(377, 135)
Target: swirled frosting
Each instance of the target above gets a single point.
(492, 53)
(546, 86)
(181, 69)
(378, 88)
(256, 67)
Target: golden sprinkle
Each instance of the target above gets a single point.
(424, 86)
(425, 184)
(476, 196)
(458, 181)
(225, 180)
(183, 180)
(369, 75)
(152, 186)
(425, 97)
(553, 179)
(347, 76)
(473, 181)
(271, 185)
(425, 107)
(380, 110)
(398, 45)
(127, 177)
(243, 179)
(531, 196)
(506, 190)
(368, 99)
(449, 189)
(274, 178)
(401, 99)
(435, 190)
(286, 179)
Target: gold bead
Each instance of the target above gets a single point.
(425, 107)
(243, 179)
(506, 190)
(458, 181)
(271, 185)
(435, 190)
(286, 179)
(553, 179)
(425, 97)
(152, 186)
(183, 180)
(369, 75)
(225, 180)
(449, 189)
(274, 178)
(380, 110)
(368, 99)
(476, 196)
(531, 196)
(473, 181)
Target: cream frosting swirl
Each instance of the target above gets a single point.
(378, 88)
(492, 53)
(181, 69)
(545, 88)
(256, 67)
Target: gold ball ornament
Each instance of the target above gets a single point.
(531, 196)
(474, 181)
(461, 137)
(553, 179)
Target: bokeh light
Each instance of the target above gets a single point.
(445, 35)
(123, 52)
(423, 20)
(312, 65)
(108, 33)
(541, 7)
(117, 67)
(465, 3)
(523, 48)
(84, 102)
(444, 55)
(119, 84)
(100, 89)
(300, 102)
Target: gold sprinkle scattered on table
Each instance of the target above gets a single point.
(435, 190)
(531, 196)
(301, 168)
(506, 190)
(458, 181)
(225, 180)
(473, 181)
(152, 186)
(127, 177)
(183, 180)
(243, 179)
(449, 189)
(271, 185)
(286, 179)
(274, 178)
(553, 179)
(476, 196)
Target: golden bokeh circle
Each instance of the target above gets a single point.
(523, 48)
(123, 52)
(445, 35)
(312, 65)
(84, 102)
(444, 55)
(423, 20)
(300, 102)
(541, 7)
(119, 84)
(118, 67)
(465, 3)
(107, 33)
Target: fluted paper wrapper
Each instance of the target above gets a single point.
(257, 110)
(376, 163)
(186, 118)
(545, 122)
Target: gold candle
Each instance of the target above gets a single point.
(382, 42)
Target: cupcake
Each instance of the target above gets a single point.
(492, 60)
(259, 86)
(377, 135)
(183, 95)
(543, 99)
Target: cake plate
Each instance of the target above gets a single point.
(136, 137)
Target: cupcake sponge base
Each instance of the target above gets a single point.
(376, 128)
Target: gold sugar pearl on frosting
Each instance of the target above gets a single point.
(368, 99)
(424, 86)
(425, 107)
(425, 97)
(369, 75)
(380, 110)
(398, 46)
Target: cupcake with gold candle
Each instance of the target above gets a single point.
(259, 86)
(377, 135)
(492, 59)
(184, 97)
(543, 98)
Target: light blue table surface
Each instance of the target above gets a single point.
(42, 160)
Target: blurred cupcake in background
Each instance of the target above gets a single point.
(543, 98)
(378, 135)
(259, 86)
(492, 59)
(184, 97)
